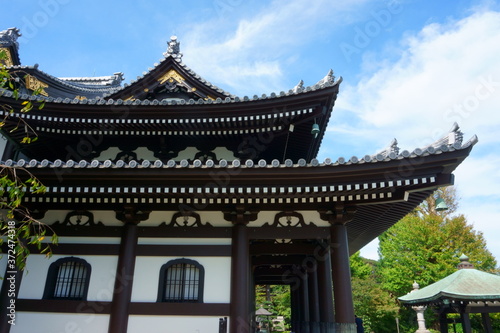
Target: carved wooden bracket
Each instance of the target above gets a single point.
(240, 215)
(186, 219)
(339, 215)
(79, 218)
(289, 219)
(131, 214)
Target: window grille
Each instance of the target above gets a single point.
(181, 281)
(68, 278)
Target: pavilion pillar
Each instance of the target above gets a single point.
(341, 276)
(240, 312)
(466, 326)
(314, 317)
(486, 322)
(443, 321)
(325, 291)
(122, 293)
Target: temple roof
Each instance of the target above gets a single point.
(372, 190)
(466, 284)
(287, 117)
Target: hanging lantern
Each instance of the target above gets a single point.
(441, 205)
(315, 130)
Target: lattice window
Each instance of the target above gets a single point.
(68, 278)
(181, 281)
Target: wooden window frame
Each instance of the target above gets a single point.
(52, 279)
(162, 283)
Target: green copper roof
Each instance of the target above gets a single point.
(464, 284)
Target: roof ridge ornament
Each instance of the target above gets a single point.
(173, 49)
(392, 148)
(329, 79)
(299, 87)
(9, 37)
(464, 262)
(453, 139)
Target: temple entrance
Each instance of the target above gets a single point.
(292, 280)
(273, 308)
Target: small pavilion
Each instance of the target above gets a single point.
(466, 291)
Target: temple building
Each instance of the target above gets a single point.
(173, 198)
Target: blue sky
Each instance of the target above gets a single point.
(410, 67)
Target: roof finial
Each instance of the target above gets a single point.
(9, 37)
(298, 88)
(328, 79)
(173, 49)
(464, 262)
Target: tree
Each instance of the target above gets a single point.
(275, 299)
(17, 226)
(425, 247)
(371, 303)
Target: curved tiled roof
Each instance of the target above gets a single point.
(464, 284)
(101, 101)
(434, 149)
(68, 83)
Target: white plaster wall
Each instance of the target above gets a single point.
(102, 276)
(217, 278)
(177, 324)
(60, 323)
(183, 241)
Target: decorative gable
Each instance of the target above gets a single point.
(170, 80)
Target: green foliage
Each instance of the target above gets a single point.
(18, 228)
(275, 299)
(426, 249)
(372, 304)
(11, 80)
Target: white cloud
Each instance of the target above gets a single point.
(254, 55)
(446, 73)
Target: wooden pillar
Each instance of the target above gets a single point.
(295, 306)
(341, 276)
(314, 318)
(325, 290)
(486, 322)
(240, 320)
(466, 327)
(118, 320)
(443, 321)
(239, 312)
(304, 302)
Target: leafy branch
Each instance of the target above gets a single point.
(18, 228)
(10, 80)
